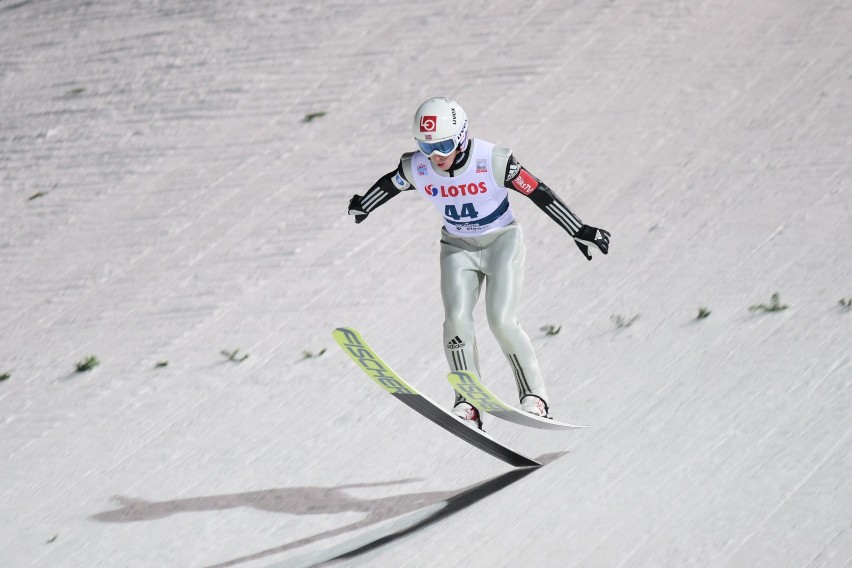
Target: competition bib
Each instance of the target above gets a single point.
(471, 202)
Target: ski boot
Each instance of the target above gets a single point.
(469, 414)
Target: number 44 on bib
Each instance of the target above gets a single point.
(467, 211)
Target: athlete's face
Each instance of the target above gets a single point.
(444, 162)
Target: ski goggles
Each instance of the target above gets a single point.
(442, 147)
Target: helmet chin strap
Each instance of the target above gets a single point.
(462, 156)
(463, 149)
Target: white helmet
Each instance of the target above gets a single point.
(440, 126)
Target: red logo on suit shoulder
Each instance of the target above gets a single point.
(524, 182)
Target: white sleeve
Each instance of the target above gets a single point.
(500, 157)
(405, 167)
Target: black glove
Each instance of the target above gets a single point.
(355, 208)
(591, 236)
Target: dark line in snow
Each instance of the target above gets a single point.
(454, 505)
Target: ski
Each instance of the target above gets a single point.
(354, 345)
(471, 388)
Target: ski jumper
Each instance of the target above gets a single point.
(482, 244)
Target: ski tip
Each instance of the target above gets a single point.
(344, 333)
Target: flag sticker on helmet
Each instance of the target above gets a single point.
(428, 123)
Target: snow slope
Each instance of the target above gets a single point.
(164, 198)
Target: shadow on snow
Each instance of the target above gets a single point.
(437, 505)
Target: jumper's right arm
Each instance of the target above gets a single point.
(386, 188)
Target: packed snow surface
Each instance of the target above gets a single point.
(174, 179)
